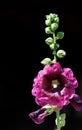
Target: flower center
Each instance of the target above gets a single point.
(55, 83)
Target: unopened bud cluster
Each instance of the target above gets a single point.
(52, 24)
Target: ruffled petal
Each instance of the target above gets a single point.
(68, 72)
(52, 71)
(38, 116)
(67, 93)
(76, 102)
(68, 77)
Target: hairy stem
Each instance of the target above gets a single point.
(57, 117)
(54, 51)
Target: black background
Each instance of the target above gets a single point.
(22, 47)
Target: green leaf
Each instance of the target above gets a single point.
(63, 116)
(57, 45)
(60, 35)
(54, 52)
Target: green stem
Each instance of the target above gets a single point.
(57, 117)
(54, 51)
(54, 38)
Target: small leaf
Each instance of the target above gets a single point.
(57, 45)
(54, 53)
(63, 116)
(60, 35)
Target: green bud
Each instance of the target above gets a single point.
(52, 46)
(49, 40)
(54, 26)
(62, 119)
(60, 35)
(48, 17)
(49, 109)
(61, 53)
(56, 19)
(48, 22)
(52, 16)
(46, 61)
(48, 30)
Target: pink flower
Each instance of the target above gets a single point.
(54, 86)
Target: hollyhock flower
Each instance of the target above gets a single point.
(54, 86)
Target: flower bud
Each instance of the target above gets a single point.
(48, 22)
(61, 53)
(56, 19)
(54, 26)
(48, 30)
(52, 16)
(61, 120)
(49, 40)
(49, 109)
(52, 46)
(48, 17)
(46, 61)
(60, 35)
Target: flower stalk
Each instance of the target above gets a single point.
(54, 50)
(57, 117)
(54, 86)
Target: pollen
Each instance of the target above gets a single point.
(55, 83)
